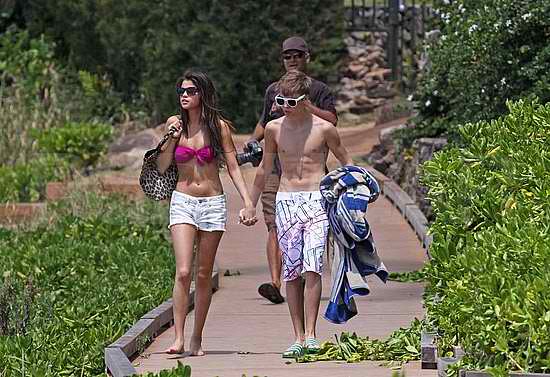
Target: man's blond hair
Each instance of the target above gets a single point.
(294, 83)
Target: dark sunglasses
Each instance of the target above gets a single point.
(298, 55)
(191, 91)
(290, 102)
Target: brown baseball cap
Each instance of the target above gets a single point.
(295, 43)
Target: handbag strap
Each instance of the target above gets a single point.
(164, 139)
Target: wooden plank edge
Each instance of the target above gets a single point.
(478, 373)
(117, 363)
(149, 326)
(428, 351)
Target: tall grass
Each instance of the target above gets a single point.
(96, 263)
(18, 116)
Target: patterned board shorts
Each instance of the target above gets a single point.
(302, 229)
(207, 213)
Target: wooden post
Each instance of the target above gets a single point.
(393, 36)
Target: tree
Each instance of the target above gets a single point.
(489, 52)
(144, 48)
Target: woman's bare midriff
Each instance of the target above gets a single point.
(199, 181)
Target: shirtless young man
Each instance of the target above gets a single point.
(295, 55)
(302, 141)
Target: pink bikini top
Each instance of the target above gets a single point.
(204, 155)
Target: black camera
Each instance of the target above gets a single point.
(252, 152)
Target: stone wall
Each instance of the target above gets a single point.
(403, 166)
(365, 84)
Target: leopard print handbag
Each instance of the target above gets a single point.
(155, 185)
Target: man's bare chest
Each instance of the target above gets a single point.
(301, 144)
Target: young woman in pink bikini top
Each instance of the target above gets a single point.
(201, 144)
(203, 155)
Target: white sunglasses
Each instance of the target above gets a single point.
(289, 102)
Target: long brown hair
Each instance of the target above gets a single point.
(211, 115)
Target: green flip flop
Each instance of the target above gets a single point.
(312, 346)
(294, 351)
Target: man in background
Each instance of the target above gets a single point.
(320, 102)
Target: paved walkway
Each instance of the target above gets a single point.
(245, 334)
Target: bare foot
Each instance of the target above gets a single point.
(195, 347)
(177, 347)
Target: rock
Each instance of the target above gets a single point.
(385, 136)
(357, 84)
(380, 74)
(355, 52)
(433, 35)
(407, 36)
(404, 169)
(366, 75)
(360, 35)
(349, 95)
(391, 111)
(382, 92)
(346, 81)
(362, 109)
(426, 147)
(348, 118)
(364, 101)
(377, 152)
(370, 83)
(146, 139)
(363, 72)
(373, 67)
(342, 107)
(355, 68)
(349, 41)
(375, 56)
(128, 151)
(373, 48)
(381, 165)
(126, 160)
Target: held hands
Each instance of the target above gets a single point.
(247, 216)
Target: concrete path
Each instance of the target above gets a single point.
(245, 334)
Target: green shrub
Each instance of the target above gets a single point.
(489, 277)
(97, 265)
(37, 95)
(28, 95)
(26, 62)
(489, 52)
(27, 182)
(180, 371)
(83, 144)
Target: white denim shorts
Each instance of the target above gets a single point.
(207, 213)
